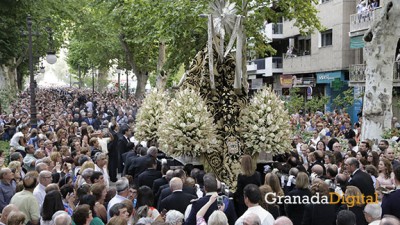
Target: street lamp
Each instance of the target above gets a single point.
(92, 80)
(51, 59)
(119, 81)
(127, 85)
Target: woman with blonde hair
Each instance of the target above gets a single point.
(15, 218)
(355, 203)
(319, 213)
(100, 192)
(15, 167)
(385, 177)
(79, 179)
(272, 180)
(248, 175)
(296, 211)
(271, 208)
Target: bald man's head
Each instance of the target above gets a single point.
(6, 211)
(389, 220)
(169, 174)
(283, 220)
(176, 184)
(29, 182)
(318, 170)
(251, 219)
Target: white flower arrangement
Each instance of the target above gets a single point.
(187, 128)
(264, 124)
(396, 148)
(149, 116)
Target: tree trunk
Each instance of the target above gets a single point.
(102, 79)
(380, 52)
(142, 76)
(161, 81)
(141, 84)
(8, 77)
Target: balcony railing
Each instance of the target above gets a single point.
(357, 73)
(362, 21)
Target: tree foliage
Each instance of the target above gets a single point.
(295, 101)
(130, 31)
(127, 32)
(13, 32)
(316, 103)
(344, 99)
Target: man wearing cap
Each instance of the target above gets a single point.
(122, 187)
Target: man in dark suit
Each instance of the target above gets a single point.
(162, 180)
(179, 173)
(148, 176)
(91, 121)
(168, 176)
(390, 201)
(113, 155)
(359, 178)
(210, 187)
(129, 167)
(140, 163)
(123, 145)
(177, 200)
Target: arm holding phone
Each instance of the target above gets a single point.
(200, 214)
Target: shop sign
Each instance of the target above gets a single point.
(286, 81)
(327, 78)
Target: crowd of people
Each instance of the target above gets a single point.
(83, 165)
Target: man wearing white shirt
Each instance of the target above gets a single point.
(17, 139)
(39, 192)
(101, 161)
(122, 187)
(373, 213)
(252, 196)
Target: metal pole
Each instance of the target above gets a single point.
(127, 86)
(79, 75)
(31, 75)
(119, 84)
(92, 80)
(70, 80)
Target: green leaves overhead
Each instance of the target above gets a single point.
(93, 29)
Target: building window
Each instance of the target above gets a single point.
(324, 1)
(302, 45)
(326, 38)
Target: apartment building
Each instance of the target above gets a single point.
(318, 64)
(264, 71)
(323, 63)
(359, 24)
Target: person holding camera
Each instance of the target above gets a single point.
(210, 187)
